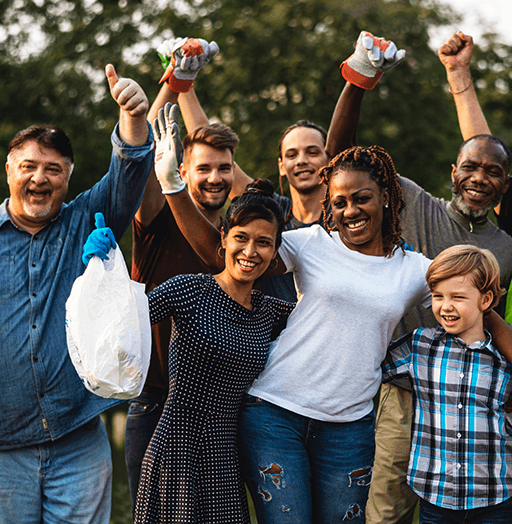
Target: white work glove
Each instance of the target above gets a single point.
(168, 151)
(373, 56)
(182, 59)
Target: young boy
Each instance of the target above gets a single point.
(461, 454)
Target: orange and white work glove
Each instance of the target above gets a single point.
(182, 59)
(373, 56)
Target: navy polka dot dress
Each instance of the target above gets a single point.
(190, 471)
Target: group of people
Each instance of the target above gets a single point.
(272, 324)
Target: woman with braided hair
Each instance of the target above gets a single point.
(376, 162)
(306, 429)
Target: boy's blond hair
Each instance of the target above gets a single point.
(480, 264)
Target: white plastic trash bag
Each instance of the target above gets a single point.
(108, 329)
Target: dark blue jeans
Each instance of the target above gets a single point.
(143, 416)
(303, 470)
(498, 514)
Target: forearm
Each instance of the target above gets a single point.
(133, 130)
(501, 333)
(345, 119)
(164, 95)
(192, 111)
(471, 118)
(199, 232)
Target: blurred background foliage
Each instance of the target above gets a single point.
(278, 63)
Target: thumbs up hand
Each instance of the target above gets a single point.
(127, 93)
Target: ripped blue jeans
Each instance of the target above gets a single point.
(302, 470)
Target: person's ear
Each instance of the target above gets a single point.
(183, 173)
(282, 170)
(222, 238)
(487, 299)
(454, 172)
(385, 197)
(506, 184)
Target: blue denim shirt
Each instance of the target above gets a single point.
(41, 396)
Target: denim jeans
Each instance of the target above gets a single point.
(498, 514)
(143, 416)
(66, 480)
(300, 470)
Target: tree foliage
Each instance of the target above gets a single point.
(278, 63)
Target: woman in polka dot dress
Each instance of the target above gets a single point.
(220, 338)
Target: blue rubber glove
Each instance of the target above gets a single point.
(99, 242)
(407, 247)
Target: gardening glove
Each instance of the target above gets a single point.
(182, 59)
(168, 151)
(99, 242)
(373, 56)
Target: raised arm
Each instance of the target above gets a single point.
(197, 229)
(362, 70)
(179, 71)
(153, 201)
(133, 104)
(176, 55)
(345, 119)
(455, 54)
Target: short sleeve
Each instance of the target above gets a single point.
(177, 294)
(292, 244)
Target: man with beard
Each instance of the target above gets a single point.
(480, 178)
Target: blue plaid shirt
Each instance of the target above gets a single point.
(42, 397)
(461, 454)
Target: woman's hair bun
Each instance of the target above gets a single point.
(260, 186)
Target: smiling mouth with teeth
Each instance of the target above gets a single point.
(247, 264)
(355, 225)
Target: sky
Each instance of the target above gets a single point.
(479, 16)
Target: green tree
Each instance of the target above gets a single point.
(278, 63)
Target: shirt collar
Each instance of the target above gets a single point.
(480, 345)
(4, 215)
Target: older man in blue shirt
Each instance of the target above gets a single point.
(55, 463)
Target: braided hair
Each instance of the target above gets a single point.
(376, 162)
(256, 202)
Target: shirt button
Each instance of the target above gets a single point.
(458, 466)
(459, 435)
(34, 294)
(462, 375)
(33, 326)
(33, 265)
(460, 406)
(36, 359)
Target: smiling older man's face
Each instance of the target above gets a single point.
(38, 182)
(480, 177)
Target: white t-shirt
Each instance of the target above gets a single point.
(326, 364)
